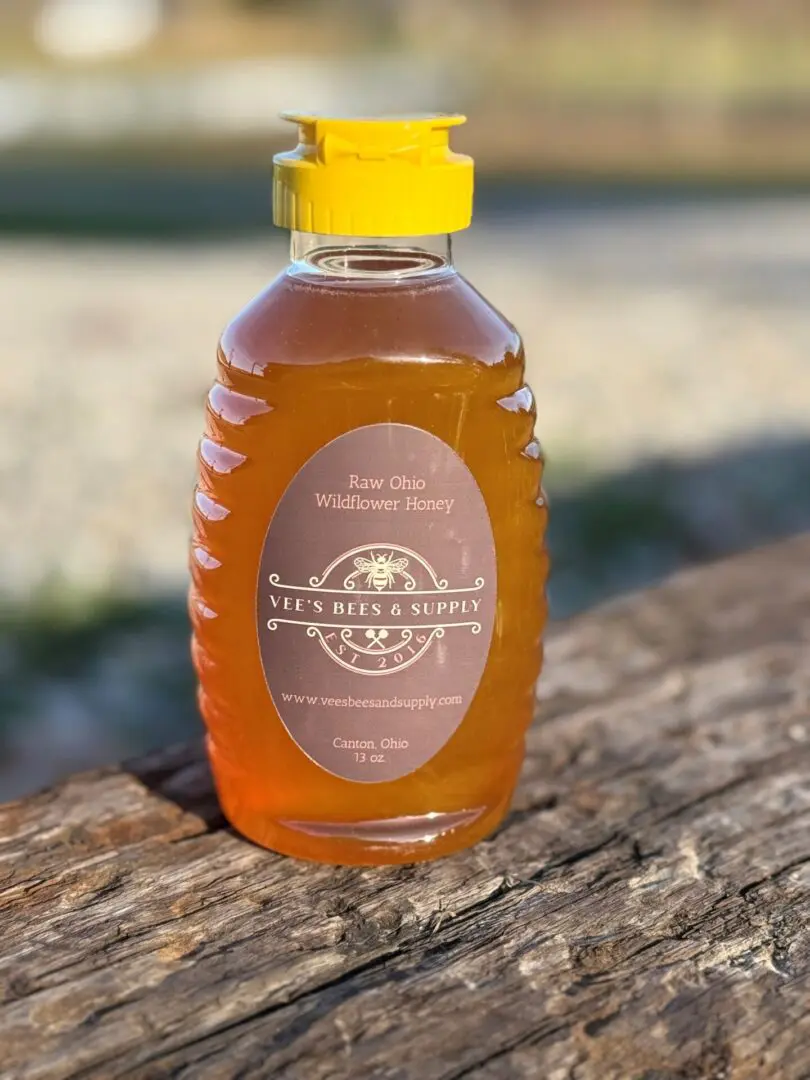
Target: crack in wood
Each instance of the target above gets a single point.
(803, 860)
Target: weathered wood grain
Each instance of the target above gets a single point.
(643, 913)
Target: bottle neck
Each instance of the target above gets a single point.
(371, 257)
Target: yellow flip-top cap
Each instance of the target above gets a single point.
(373, 177)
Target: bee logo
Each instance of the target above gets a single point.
(381, 570)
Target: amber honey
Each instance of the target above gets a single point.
(332, 596)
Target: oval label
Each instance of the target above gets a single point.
(376, 601)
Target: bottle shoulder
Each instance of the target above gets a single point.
(300, 321)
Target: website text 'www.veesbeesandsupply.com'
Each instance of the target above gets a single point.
(415, 703)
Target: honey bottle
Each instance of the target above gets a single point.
(368, 569)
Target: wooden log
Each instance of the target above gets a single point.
(644, 912)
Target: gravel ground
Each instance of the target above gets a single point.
(675, 331)
(650, 331)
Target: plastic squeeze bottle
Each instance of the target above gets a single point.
(368, 565)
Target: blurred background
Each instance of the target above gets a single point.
(642, 214)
